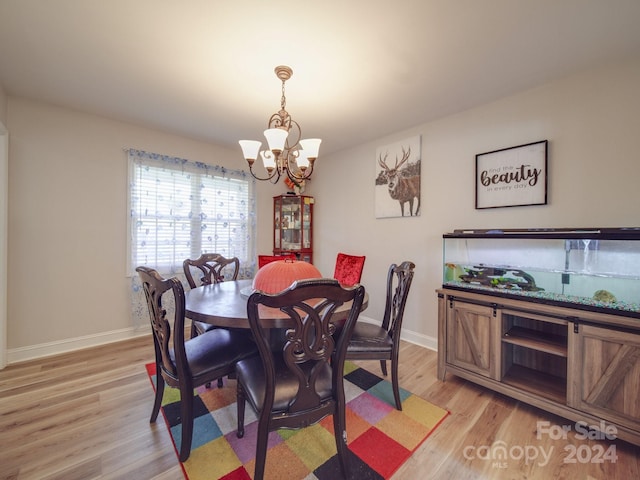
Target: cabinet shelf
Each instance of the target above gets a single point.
(537, 382)
(537, 340)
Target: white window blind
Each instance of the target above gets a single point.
(180, 209)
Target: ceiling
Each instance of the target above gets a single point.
(361, 69)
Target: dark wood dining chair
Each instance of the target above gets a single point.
(348, 269)
(186, 363)
(266, 259)
(211, 268)
(301, 383)
(208, 269)
(373, 342)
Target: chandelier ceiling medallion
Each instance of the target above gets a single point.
(286, 152)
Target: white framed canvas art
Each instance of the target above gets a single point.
(397, 184)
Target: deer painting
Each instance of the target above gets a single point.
(403, 184)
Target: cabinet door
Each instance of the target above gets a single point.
(291, 217)
(306, 224)
(277, 224)
(471, 338)
(604, 374)
(293, 226)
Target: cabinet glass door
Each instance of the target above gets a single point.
(291, 232)
(306, 225)
(293, 226)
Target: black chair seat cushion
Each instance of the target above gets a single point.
(202, 327)
(251, 373)
(217, 351)
(368, 337)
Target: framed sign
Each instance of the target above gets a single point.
(512, 177)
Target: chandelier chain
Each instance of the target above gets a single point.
(283, 100)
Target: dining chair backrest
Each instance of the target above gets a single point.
(399, 280)
(311, 344)
(168, 333)
(301, 382)
(213, 267)
(348, 269)
(266, 259)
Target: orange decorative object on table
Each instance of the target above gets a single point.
(278, 276)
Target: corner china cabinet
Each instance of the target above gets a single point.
(293, 226)
(550, 317)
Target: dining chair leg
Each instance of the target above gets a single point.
(241, 405)
(220, 384)
(395, 385)
(261, 448)
(157, 403)
(186, 412)
(340, 432)
(383, 367)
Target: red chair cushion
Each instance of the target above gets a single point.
(349, 268)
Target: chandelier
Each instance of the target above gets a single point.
(286, 152)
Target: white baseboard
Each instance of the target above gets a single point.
(413, 337)
(21, 354)
(32, 352)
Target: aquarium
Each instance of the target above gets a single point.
(593, 268)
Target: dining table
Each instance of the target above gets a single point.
(224, 304)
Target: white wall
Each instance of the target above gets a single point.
(65, 165)
(68, 224)
(4, 215)
(3, 106)
(591, 122)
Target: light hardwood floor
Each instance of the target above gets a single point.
(85, 415)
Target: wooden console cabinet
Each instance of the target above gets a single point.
(579, 364)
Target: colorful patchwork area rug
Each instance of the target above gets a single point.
(380, 438)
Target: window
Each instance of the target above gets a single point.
(180, 209)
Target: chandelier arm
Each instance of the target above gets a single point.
(298, 178)
(295, 134)
(275, 174)
(280, 119)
